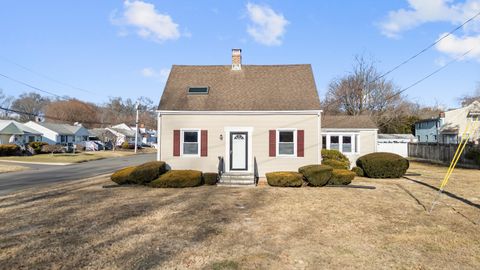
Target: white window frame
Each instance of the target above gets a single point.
(199, 134)
(355, 143)
(277, 142)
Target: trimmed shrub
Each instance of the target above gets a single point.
(336, 164)
(37, 146)
(122, 176)
(178, 179)
(126, 145)
(341, 177)
(141, 174)
(383, 165)
(52, 148)
(358, 171)
(210, 178)
(9, 149)
(285, 179)
(335, 155)
(316, 175)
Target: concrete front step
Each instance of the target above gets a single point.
(237, 179)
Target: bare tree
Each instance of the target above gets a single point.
(468, 99)
(71, 111)
(362, 91)
(6, 103)
(30, 103)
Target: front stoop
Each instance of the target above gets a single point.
(237, 179)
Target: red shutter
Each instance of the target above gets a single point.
(300, 143)
(204, 143)
(272, 143)
(176, 143)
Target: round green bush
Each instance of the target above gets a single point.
(316, 175)
(141, 174)
(336, 164)
(358, 171)
(341, 177)
(285, 179)
(178, 179)
(210, 178)
(383, 165)
(328, 154)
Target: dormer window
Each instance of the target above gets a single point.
(198, 90)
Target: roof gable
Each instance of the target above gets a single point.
(253, 88)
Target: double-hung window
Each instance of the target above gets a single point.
(190, 142)
(287, 143)
(346, 143)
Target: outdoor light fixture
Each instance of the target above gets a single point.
(221, 137)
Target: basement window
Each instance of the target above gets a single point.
(198, 90)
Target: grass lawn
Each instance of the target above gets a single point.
(83, 225)
(69, 158)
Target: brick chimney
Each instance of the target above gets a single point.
(442, 115)
(236, 59)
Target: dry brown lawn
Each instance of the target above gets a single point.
(11, 168)
(83, 225)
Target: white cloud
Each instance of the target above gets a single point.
(161, 74)
(149, 23)
(455, 46)
(432, 11)
(428, 11)
(268, 26)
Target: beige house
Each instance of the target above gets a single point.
(242, 120)
(455, 122)
(354, 136)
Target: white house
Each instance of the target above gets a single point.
(246, 120)
(14, 132)
(124, 133)
(63, 134)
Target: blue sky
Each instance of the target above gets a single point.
(126, 48)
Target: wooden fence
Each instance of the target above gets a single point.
(442, 153)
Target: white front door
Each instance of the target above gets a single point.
(238, 151)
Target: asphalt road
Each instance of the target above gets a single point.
(39, 175)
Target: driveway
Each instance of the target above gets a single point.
(46, 174)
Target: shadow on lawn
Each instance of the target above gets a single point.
(110, 228)
(449, 194)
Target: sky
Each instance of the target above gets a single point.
(93, 50)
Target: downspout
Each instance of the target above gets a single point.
(319, 136)
(159, 130)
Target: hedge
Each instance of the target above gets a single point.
(178, 179)
(341, 177)
(383, 165)
(316, 175)
(9, 149)
(52, 148)
(358, 171)
(210, 178)
(474, 155)
(330, 154)
(37, 146)
(285, 179)
(141, 174)
(336, 164)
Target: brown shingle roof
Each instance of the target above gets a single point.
(253, 88)
(347, 121)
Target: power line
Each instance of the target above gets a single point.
(29, 85)
(430, 75)
(428, 47)
(45, 76)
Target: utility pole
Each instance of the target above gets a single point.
(136, 126)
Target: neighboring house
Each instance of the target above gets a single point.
(395, 143)
(123, 134)
(449, 126)
(354, 136)
(149, 136)
(14, 132)
(243, 120)
(63, 134)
